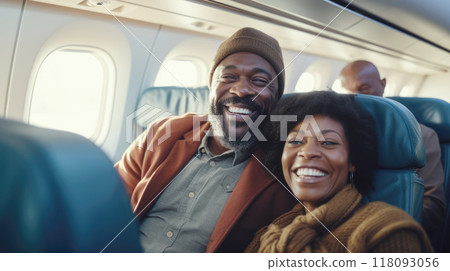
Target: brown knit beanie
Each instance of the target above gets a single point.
(253, 41)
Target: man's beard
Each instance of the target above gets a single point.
(216, 118)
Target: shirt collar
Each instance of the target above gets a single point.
(239, 156)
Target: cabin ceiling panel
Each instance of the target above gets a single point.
(429, 19)
(363, 32)
(178, 14)
(379, 34)
(431, 54)
(295, 23)
(375, 6)
(445, 41)
(314, 11)
(416, 23)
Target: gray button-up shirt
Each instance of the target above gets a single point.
(184, 216)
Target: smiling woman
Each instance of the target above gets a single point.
(316, 167)
(327, 163)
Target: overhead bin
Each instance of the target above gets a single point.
(395, 29)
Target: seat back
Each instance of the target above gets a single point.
(401, 151)
(161, 102)
(60, 193)
(435, 113)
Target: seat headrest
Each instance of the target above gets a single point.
(166, 101)
(434, 113)
(60, 193)
(400, 142)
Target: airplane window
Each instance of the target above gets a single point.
(73, 91)
(407, 91)
(305, 83)
(337, 86)
(389, 90)
(181, 73)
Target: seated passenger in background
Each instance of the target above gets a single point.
(327, 166)
(363, 77)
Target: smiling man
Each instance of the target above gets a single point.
(245, 90)
(201, 189)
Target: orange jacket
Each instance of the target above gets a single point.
(148, 166)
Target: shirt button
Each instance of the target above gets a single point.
(228, 186)
(191, 194)
(212, 163)
(169, 234)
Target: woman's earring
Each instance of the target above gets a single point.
(351, 177)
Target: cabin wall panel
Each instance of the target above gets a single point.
(400, 83)
(172, 43)
(325, 70)
(436, 86)
(37, 26)
(10, 13)
(296, 63)
(141, 43)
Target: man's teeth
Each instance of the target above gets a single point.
(239, 110)
(310, 172)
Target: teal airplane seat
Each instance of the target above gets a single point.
(435, 113)
(161, 102)
(60, 193)
(401, 151)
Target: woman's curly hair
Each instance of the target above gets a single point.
(358, 125)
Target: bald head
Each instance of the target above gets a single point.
(362, 77)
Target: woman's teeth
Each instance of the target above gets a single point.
(310, 172)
